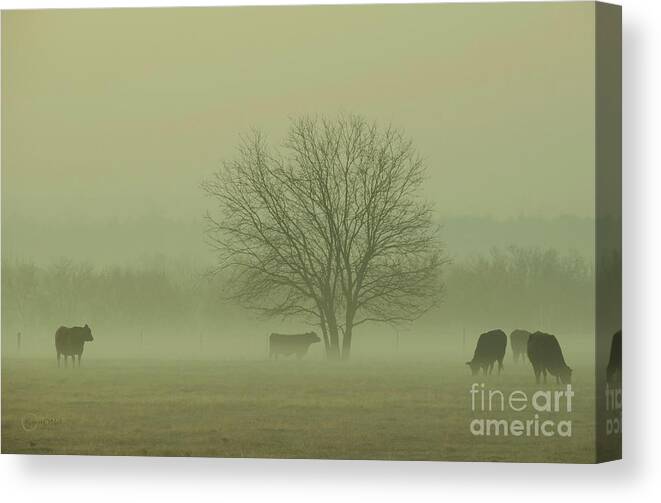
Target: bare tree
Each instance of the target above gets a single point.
(329, 226)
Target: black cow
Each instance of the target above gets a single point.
(519, 344)
(614, 369)
(545, 355)
(289, 344)
(70, 342)
(490, 348)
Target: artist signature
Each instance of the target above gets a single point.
(30, 422)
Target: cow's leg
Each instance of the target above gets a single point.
(79, 355)
(500, 365)
(544, 372)
(66, 361)
(58, 360)
(537, 374)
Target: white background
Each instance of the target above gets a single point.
(98, 479)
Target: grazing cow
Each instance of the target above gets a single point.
(70, 342)
(614, 369)
(490, 348)
(545, 355)
(289, 344)
(519, 344)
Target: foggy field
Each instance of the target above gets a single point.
(272, 205)
(292, 409)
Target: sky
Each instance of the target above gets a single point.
(116, 115)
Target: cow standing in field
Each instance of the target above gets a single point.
(69, 341)
(545, 355)
(519, 344)
(614, 369)
(489, 350)
(289, 344)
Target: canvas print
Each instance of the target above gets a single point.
(383, 232)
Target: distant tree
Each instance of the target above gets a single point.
(19, 290)
(521, 287)
(330, 226)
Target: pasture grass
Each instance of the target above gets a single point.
(268, 409)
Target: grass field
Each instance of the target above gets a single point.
(283, 409)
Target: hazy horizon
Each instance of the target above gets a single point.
(133, 241)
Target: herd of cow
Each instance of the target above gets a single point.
(543, 350)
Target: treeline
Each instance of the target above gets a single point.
(521, 287)
(506, 288)
(125, 303)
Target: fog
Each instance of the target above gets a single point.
(107, 138)
(398, 179)
(174, 309)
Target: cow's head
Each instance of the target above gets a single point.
(565, 375)
(313, 336)
(475, 367)
(87, 333)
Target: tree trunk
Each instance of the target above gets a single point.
(334, 346)
(324, 334)
(346, 343)
(333, 352)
